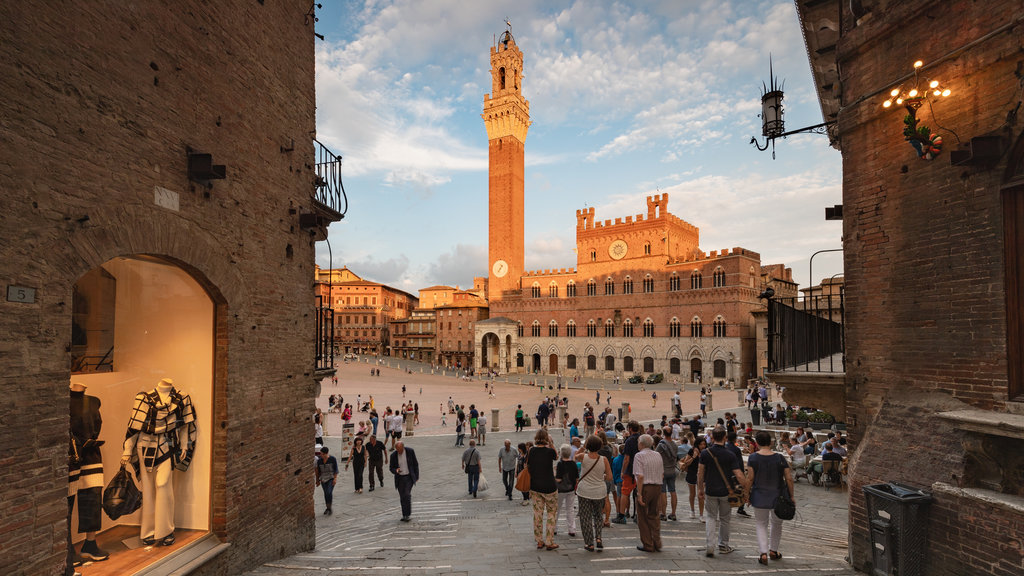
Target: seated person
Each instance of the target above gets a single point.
(828, 455)
(839, 447)
(799, 461)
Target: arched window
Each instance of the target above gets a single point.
(591, 287)
(648, 364)
(609, 329)
(501, 78)
(627, 328)
(591, 362)
(570, 362)
(593, 255)
(609, 363)
(591, 329)
(627, 364)
(553, 329)
(647, 248)
(648, 284)
(570, 289)
(673, 328)
(719, 327)
(535, 290)
(673, 366)
(519, 360)
(609, 286)
(535, 328)
(570, 329)
(627, 285)
(719, 277)
(719, 369)
(553, 289)
(648, 328)
(696, 328)
(673, 282)
(696, 280)
(519, 329)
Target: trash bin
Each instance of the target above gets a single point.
(755, 417)
(897, 516)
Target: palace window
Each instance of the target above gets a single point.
(591, 329)
(696, 280)
(535, 290)
(696, 328)
(647, 248)
(593, 255)
(535, 328)
(627, 364)
(570, 362)
(648, 364)
(609, 329)
(673, 282)
(673, 366)
(648, 328)
(591, 362)
(609, 363)
(570, 329)
(609, 286)
(627, 328)
(553, 290)
(648, 284)
(719, 327)
(553, 329)
(627, 285)
(591, 287)
(570, 289)
(719, 277)
(519, 329)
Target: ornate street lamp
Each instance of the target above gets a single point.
(772, 123)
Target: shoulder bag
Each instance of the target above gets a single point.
(735, 495)
(784, 506)
(589, 470)
(523, 478)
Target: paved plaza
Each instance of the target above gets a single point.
(453, 533)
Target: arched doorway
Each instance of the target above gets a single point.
(489, 352)
(553, 364)
(536, 364)
(695, 370)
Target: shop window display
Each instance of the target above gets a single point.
(141, 398)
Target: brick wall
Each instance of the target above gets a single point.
(99, 102)
(925, 312)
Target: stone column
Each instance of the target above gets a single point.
(494, 420)
(625, 414)
(709, 407)
(410, 416)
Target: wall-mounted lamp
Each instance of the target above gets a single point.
(927, 143)
(772, 123)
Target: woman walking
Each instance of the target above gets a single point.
(357, 458)
(768, 474)
(592, 492)
(540, 460)
(692, 463)
(566, 474)
(520, 464)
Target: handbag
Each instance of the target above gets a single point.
(523, 480)
(784, 506)
(589, 470)
(735, 496)
(121, 495)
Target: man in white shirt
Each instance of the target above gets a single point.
(397, 422)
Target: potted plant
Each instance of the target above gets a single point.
(796, 418)
(821, 420)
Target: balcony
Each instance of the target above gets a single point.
(330, 203)
(806, 351)
(324, 358)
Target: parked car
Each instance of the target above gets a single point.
(636, 379)
(656, 378)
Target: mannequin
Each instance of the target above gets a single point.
(85, 472)
(162, 435)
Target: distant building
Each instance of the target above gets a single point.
(362, 310)
(455, 329)
(414, 337)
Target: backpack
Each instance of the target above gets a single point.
(589, 419)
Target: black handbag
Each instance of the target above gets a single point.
(784, 506)
(121, 496)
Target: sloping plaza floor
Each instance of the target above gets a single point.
(453, 533)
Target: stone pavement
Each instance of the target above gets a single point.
(453, 533)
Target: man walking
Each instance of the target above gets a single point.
(717, 463)
(407, 472)
(507, 466)
(397, 423)
(375, 458)
(677, 404)
(327, 477)
(471, 465)
(648, 470)
(668, 451)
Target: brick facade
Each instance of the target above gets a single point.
(99, 103)
(363, 310)
(926, 265)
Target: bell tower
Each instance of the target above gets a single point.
(507, 118)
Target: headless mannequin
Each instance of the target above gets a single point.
(85, 472)
(154, 439)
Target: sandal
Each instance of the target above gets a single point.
(774, 555)
(589, 547)
(763, 559)
(600, 545)
(552, 546)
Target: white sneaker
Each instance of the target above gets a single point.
(693, 515)
(703, 518)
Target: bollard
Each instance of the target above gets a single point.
(494, 420)
(410, 416)
(624, 414)
(708, 406)
(741, 397)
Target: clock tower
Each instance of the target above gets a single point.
(507, 118)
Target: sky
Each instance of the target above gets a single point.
(627, 100)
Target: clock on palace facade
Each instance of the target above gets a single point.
(500, 268)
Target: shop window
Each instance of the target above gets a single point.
(155, 326)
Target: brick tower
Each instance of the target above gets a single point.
(507, 118)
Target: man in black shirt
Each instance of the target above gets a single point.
(730, 443)
(375, 452)
(717, 463)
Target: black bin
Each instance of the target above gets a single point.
(898, 521)
(755, 417)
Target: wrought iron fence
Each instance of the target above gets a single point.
(806, 334)
(324, 335)
(328, 189)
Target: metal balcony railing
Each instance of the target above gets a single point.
(324, 336)
(328, 190)
(806, 335)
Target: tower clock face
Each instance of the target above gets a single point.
(617, 250)
(500, 268)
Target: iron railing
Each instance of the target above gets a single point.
(806, 335)
(328, 190)
(324, 335)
